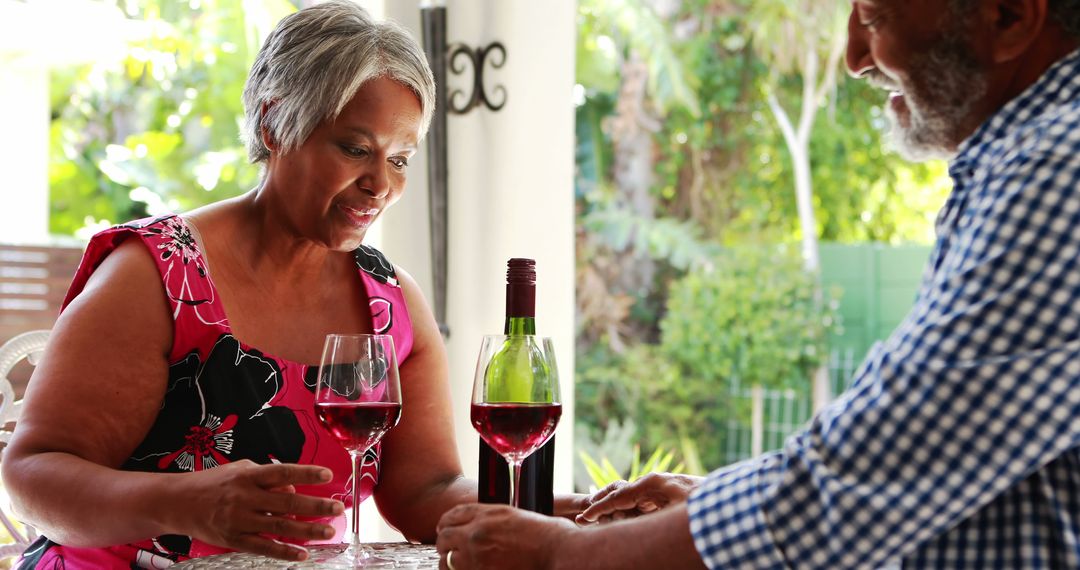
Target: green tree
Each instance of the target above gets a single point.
(803, 40)
(158, 130)
(721, 178)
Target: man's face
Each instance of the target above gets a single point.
(921, 53)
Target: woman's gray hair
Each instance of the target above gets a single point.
(313, 63)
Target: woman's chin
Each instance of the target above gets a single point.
(345, 243)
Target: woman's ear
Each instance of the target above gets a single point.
(267, 138)
(1015, 25)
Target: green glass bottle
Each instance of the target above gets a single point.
(537, 471)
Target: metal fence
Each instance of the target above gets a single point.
(776, 414)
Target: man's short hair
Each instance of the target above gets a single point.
(1065, 12)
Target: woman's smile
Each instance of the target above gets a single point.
(360, 218)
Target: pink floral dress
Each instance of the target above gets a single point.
(225, 401)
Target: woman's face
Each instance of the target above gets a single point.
(351, 169)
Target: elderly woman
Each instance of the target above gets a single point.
(172, 416)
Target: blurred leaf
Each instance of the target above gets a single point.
(173, 104)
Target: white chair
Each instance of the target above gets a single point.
(31, 346)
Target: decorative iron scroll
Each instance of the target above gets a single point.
(459, 58)
(478, 58)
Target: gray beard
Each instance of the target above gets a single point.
(941, 94)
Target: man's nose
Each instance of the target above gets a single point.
(857, 56)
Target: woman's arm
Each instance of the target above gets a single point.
(92, 400)
(422, 472)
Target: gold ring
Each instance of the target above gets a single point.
(450, 559)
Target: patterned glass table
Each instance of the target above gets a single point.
(405, 555)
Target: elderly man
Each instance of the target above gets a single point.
(957, 445)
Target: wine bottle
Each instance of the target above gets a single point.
(537, 471)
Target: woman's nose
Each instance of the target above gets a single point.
(376, 182)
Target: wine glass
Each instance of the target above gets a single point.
(515, 402)
(358, 400)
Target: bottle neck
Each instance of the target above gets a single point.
(520, 325)
(520, 308)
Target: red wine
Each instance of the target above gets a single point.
(358, 425)
(516, 429)
(537, 471)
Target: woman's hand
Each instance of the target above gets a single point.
(652, 492)
(245, 506)
(570, 506)
(499, 536)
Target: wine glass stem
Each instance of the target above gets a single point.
(354, 537)
(515, 482)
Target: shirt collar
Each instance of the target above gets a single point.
(1060, 84)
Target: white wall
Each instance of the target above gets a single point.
(510, 194)
(36, 35)
(24, 151)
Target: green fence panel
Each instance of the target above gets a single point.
(877, 285)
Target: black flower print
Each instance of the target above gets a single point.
(374, 368)
(178, 241)
(374, 263)
(34, 553)
(145, 222)
(382, 314)
(166, 550)
(200, 427)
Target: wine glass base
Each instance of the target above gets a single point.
(364, 558)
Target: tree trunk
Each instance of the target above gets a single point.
(632, 131)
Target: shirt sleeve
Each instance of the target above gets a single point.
(978, 388)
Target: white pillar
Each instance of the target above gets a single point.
(36, 35)
(24, 152)
(511, 194)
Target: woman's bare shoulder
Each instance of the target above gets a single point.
(125, 292)
(100, 383)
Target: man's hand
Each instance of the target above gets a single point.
(652, 492)
(497, 536)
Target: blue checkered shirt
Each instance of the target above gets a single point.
(957, 444)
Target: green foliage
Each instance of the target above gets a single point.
(784, 29)
(603, 473)
(722, 162)
(158, 130)
(751, 317)
(723, 306)
(645, 391)
(755, 318)
(677, 242)
(610, 30)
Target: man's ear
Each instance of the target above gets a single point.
(267, 139)
(1015, 25)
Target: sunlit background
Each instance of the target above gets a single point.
(710, 315)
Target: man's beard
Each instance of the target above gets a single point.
(941, 91)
